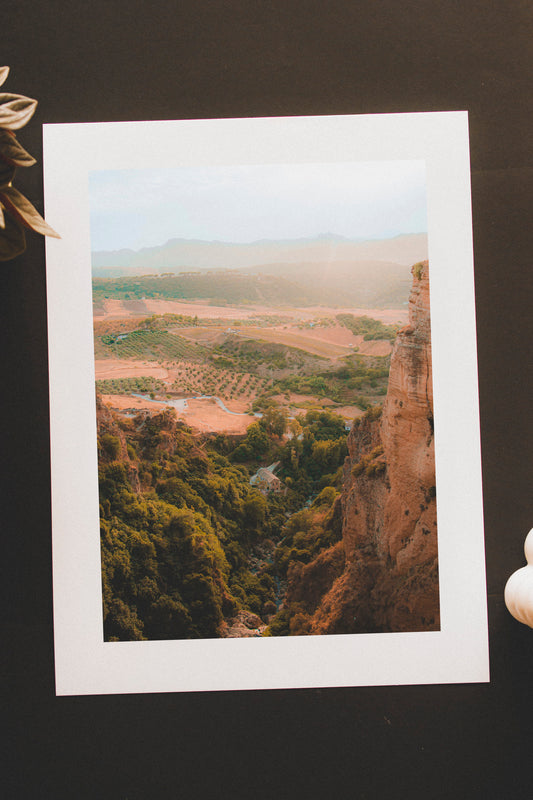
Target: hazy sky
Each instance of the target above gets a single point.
(147, 207)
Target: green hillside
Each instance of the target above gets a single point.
(221, 287)
(186, 541)
(146, 344)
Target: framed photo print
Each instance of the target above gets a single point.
(263, 396)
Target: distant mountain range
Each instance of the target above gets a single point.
(180, 255)
(363, 272)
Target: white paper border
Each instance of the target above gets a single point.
(85, 664)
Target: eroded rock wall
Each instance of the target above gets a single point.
(390, 578)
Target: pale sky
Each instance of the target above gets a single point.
(245, 203)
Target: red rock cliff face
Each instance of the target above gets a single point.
(390, 578)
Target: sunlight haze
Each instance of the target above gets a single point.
(356, 200)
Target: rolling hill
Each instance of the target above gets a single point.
(327, 270)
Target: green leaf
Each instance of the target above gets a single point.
(13, 152)
(24, 212)
(15, 110)
(12, 239)
(4, 72)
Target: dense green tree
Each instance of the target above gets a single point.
(255, 509)
(180, 520)
(274, 421)
(257, 440)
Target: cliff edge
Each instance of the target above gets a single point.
(389, 580)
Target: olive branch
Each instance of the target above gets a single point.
(16, 212)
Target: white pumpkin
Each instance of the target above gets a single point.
(518, 593)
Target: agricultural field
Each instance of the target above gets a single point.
(218, 372)
(151, 344)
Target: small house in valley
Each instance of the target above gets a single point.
(267, 483)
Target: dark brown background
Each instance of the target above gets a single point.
(135, 59)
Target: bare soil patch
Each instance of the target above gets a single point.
(121, 402)
(349, 412)
(210, 334)
(120, 309)
(374, 347)
(204, 415)
(328, 342)
(295, 338)
(117, 309)
(118, 368)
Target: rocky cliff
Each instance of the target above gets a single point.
(389, 579)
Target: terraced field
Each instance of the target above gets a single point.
(144, 384)
(292, 362)
(147, 344)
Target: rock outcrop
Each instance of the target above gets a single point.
(390, 576)
(245, 624)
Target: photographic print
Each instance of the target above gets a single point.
(264, 400)
(254, 327)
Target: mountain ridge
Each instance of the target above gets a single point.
(186, 254)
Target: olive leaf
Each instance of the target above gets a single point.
(23, 211)
(16, 212)
(13, 152)
(15, 110)
(12, 240)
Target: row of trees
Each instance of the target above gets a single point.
(249, 355)
(129, 385)
(150, 344)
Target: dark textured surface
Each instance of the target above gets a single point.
(119, 60)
